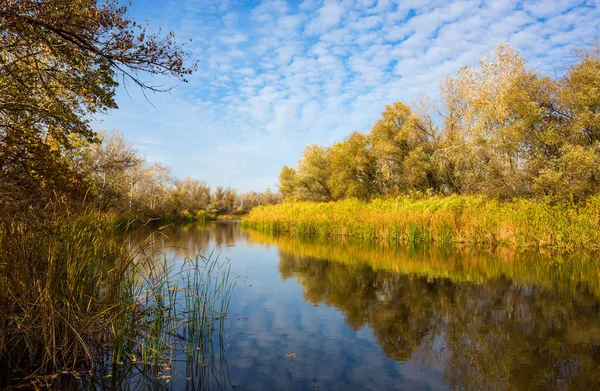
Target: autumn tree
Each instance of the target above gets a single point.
(287, 182)
(354, 168)
(570, 172)
(403, 144)
(313, 178)
(60, 64)
(494, 114)
(108, 168)
(500, 129)
(153, 188)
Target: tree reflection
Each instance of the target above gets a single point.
(187, 240)
(496, 335)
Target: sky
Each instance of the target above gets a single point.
(275, 76)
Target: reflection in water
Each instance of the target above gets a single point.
(529, 322)
(566, 272)
(497, 335)
(180, 241)
(390, 318)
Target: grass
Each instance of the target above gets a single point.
(474, 220)
(73, 299)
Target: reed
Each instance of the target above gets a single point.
(73, 299)
(474, 220)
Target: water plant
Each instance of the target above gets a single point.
(73, 299)
(476, 220)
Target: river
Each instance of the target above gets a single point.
(342, 315)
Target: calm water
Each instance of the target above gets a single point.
(348, 316)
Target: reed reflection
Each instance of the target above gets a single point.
(461, 311)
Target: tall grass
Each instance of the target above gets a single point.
(72, 299)
(448, 220)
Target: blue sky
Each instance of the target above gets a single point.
(275, 76)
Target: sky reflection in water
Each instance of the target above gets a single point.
(366, 317)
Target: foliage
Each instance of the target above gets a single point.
(116, 178)
(501, 130)
(61, 62)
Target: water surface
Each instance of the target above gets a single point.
(354, 316)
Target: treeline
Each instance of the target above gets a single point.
(499, 129)
(108, 174)
(117, 178)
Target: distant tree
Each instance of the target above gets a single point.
(314, 174)
(110, 168)
(354, 168)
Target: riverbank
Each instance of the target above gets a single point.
(472, 220)
(74, 298)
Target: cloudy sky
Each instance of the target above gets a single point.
(275, 76)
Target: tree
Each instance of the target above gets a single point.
(314, 174)
(60, 64)
(354, 168)
(403, 144)
(494, 123)
(153, 188)
(580, 95)
(109, 169)
(287, 182)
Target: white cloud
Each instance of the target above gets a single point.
(327, 16)
(276, 76)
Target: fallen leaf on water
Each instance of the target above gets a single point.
(292, 355)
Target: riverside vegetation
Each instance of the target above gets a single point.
(72, 298)
(506, 156)
(455, 219)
